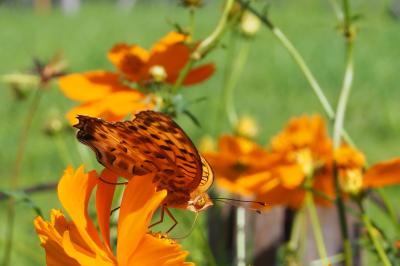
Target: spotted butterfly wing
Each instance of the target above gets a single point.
(151, 144)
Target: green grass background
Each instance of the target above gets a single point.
(271, 87)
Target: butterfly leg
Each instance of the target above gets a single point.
(173, 218)
(163, 208)
(111, 183)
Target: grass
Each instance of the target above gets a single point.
(271, 88)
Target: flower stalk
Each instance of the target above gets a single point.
(14, 180)
(205, 46)
(338, 128)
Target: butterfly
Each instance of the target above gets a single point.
(152, 145)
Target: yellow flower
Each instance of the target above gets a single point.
(77, 242)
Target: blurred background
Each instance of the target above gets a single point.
(271, 88)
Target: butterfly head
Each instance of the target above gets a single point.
(199, 202)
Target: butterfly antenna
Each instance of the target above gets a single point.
(236, 203)
(112, 183)
(191, 229)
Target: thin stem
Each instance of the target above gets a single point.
(373, 234)
(299, 60)
(14, 180)
(231, 81)
(205, 46)
(343, 98)
(338, 128)
(316, 226)
(230, 54)
(240, 236)
(295, 234)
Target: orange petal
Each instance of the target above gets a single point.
(158, 251)
(198, 74)
(90, 86)
(74, 190)
(171, 53)
(84, 258)
(291, 175)
(104, 198)
(139, 202)
(130, 60)
(114, 107)
(383, 174)
(50, 235)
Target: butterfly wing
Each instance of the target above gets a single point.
(151, 144)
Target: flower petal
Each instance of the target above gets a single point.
(50, 235)
(171, 53)
(139, 202)
(198, 74)
(114, 107)
(158, 251)
(83, 258)
(74, 190)
(104, 198)
(90, 86)
(383, 174)
(130, 60)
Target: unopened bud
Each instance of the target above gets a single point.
(246, 127)
(192, 3)
(158, 73)
(249, 24)
(53, 126)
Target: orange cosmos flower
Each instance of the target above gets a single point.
(109, 95)
(352, 176)
(303, 149)
(163, 62)
(237, 157)
(77, 242)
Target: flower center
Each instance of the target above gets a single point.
(304, 158)
(351, 180)
(158, 73)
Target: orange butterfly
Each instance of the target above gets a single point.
(153, 145)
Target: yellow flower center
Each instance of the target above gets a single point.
(304, 158)
(351, 180)
(158, 73)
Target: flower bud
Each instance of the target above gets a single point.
(192, 3)
(158, 73)
(246, 127)
(249, 24)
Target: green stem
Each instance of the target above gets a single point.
(343, 98)
(299, 60)
(295, 234)
(338, 128)
(205, 46)
(316, 226)
(373, 234)
(230, 54)
(231, 81)
(15, 174)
